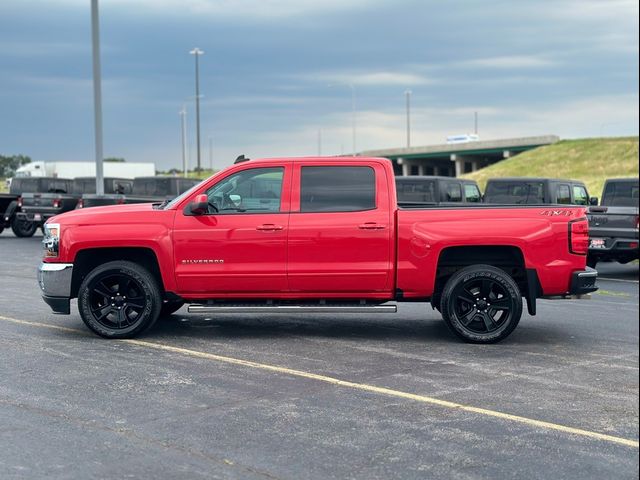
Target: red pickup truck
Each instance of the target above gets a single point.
(311, 235)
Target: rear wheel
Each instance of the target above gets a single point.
(481, 304)
(23, 228)
(119, 300)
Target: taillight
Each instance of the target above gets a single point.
(80, 203)
(56, 203)
(20, 202)
(579, 236)
(637, 222)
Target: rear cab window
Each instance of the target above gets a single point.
(620, 194)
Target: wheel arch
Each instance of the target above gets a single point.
(90, 258)
(508, 258)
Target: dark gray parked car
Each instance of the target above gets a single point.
(536, 191)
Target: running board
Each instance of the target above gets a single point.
(318, 308)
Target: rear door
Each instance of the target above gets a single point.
(340, 229)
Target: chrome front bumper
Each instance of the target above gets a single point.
(55, 283)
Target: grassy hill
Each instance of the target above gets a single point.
(591, 160)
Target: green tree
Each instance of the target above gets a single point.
(9, 164)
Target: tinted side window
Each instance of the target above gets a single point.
(337, 189)
(423, 191)
(580, 196)
(514, 193)
(471, 193)
(451, 192)
(256, 190)
(564, 195)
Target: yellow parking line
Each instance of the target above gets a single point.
(356, 386)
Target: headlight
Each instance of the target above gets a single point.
(51, 240)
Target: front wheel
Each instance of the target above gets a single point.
(119, 300)
(481, 304)
(23, 228)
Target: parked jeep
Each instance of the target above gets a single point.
(143, 190)
(613, 225)
(536, 191)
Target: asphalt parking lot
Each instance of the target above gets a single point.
(318, 396)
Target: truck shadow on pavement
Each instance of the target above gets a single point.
(432, 331)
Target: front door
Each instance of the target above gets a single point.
(239, 247)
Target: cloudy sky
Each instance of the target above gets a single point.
(275, 73)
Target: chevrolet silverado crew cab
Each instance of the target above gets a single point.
(311, 235)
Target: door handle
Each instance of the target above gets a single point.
(269, 227)
(371, 226)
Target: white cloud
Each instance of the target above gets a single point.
(374, 78)
(511, 61)
(231, 8)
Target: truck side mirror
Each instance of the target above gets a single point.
(200, 205)
(593, 201)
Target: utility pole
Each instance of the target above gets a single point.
(97, 95)
(407, 94)
(211, 152)
(197, 52)
(475, 122)
(183, 121)
(319, 142)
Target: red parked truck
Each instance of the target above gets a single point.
(311, 235)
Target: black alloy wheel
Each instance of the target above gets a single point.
(481, 304)
(119, 300)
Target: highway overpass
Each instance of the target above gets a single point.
(453, 160)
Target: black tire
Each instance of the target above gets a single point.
(592, 262)
(170, 307)
(481, 304)
(23, 228)
(119, 300)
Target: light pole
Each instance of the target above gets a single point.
(407, 94)
(97, 95)
(353, 116)
(183, 121)
(319, 142)
(211, 152)
(197, 52)
(475, 122)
